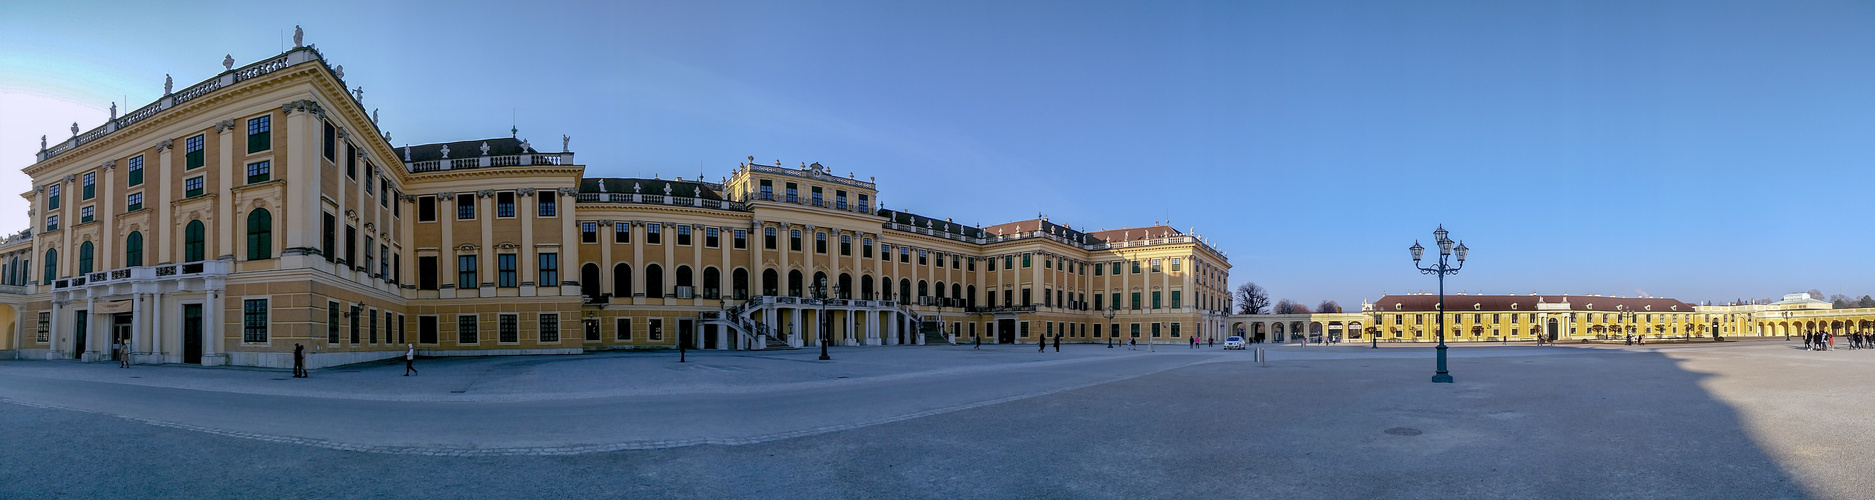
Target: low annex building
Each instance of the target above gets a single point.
(263, 207)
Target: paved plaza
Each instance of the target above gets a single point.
(1745, 419)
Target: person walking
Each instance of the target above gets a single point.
(979, 341)
(299, 360)
(1210, 342)
(123, 354)
(1806, 341)
(1057, 343)
(1041, 344)
(410, 360)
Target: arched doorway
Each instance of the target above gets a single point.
(589, 281)
(654, 281)
(771, 282)
(621, 280)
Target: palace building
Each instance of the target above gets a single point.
(1499, 318)
(263, 208)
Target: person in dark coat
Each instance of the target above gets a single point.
(299, 360)
(1042, 344)
(1057, 343)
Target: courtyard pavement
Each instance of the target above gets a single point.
(1747, 419)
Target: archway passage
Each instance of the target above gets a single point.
(589, 281)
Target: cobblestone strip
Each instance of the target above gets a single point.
(452, 451)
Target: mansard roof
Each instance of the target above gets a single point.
(625, 185)
(1137, 233)
(1032, 225)
(920, 221)
(503, 146)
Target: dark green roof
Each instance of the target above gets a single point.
(648, 186)
(920, 221)
(465, 149)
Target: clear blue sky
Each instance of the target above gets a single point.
(1701, 150)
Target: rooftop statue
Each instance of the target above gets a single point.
(298, 37)
(227, 62)
(168, 83)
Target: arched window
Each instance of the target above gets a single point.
(957, 292)
(939, 292)
(846, 286)
(622, 280)
(654, 281)
(84, 259)
(924, 289)
(52, 265)
(712, 283)
(771, 283)
(192, 242)
(971, 299)
(133, 249)
(684, 276)
(794, 283)
(904, 289)
(820, 284)
(260, 235)
(865, 287)
(739, 280)
(589, 280)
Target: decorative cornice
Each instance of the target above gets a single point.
(486, 193)
(525, 191)
(109, 165)
(223, 126)
(304, 105)
(567, 191)
(447, 195)
(166, 144)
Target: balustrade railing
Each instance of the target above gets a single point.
(291, 57)
(520, 160)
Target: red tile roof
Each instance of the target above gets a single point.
(1137, 233)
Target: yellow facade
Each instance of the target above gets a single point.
(262, 208)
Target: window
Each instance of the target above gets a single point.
(384, 186)
(1135, 267)
(192, 187)
(372, 317)
(1136, 301)
(683, 235)
(657, 329)
(136, 170)
(793, 196)
(351, 162)
(625, 328)
(259, 234)
(465, 207)
(768, 190)
(1048, 263)
(1116, 269)
(465, 271)
(134, 202)
(52, 196)
(396, 273)
(862, 203)
(91, 185)
(368, 255)
(85, 214)
(254, 320)
(1175, 330)
(426, 329)
(1175, 268)
(839, 200)
(51, 265)
(1155, 330)
(426, 209)
(192, 152)
(904, 255)
(545, 202)
(259, 134)
(794, 240)
(549, 269)
(133, 249)
(1155, 265)
(331, 147)
(399, 323)
(846, 244)
(549, 328)
(426, 273)
(741, 239)
(820, 243)
(1097, 269)
(332, 322)
(1025, 261)
(355, 323)
(711, 238)
(504, 204)
(466, 332)
(924, 257)
(504, 271)
(589, 232)
(817, 200)
(654, 234)
(84, 259)
(865, 247)
(1176, 303)
(1097, 302)
(508, 327)
(970, 264)
(192, 241)
(768, 238)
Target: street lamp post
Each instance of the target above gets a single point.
(825, 324)
(1441, 269)
(1108, 313)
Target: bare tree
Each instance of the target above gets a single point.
(1287, 306)
(1252, 299)
(1328, 306)
(1815, 294)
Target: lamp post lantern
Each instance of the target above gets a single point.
(1108, 313)
(1441, 269)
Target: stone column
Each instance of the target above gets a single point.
(222, 242)
(90, 348)
(156, 327)
(52, 336)
(485, 214)
(638, 259)
(139, 345)
(161, 236)
(211, 329)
